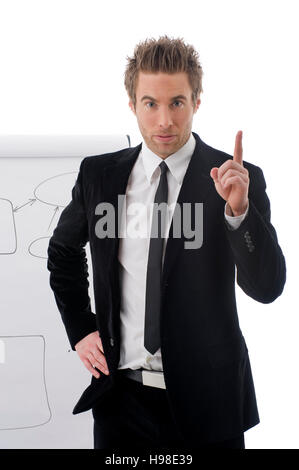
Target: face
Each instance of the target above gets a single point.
(164, 110)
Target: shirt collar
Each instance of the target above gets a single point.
(176, 162)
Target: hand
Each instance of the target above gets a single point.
(232, 180)
(91, 353)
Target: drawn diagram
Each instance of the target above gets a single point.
(23, 385)
(51, 192)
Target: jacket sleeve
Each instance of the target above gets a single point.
(68, 267)
(261, 268)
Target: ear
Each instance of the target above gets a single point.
(132, 106)
(198, 101)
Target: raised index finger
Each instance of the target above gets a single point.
(238, 152)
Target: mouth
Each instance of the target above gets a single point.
(164, 138)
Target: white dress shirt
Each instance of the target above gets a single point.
(135, 230)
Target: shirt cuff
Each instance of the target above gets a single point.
(235, 222)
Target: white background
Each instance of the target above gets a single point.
(62, 64)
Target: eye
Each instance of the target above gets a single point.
(149, 103)
(177, 104)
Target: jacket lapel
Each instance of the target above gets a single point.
(196, 185)
(114, 182)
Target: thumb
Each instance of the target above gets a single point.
(214, 174)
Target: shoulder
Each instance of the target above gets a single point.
(94, 165)
(105, 159)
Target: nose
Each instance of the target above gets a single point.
(165, 119)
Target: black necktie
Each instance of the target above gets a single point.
(154, 266)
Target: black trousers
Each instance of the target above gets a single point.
(137, 416)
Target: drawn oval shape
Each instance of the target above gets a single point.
(39, 247)
(57, 190)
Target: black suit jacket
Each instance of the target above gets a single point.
(204, 355)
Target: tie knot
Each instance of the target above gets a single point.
(163, 167)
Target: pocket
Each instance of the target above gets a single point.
(97, 389)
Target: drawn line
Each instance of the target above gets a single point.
(14, 226)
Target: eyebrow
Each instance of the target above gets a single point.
(178, 97)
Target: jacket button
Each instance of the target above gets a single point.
(111, 342)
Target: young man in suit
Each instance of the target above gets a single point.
(170, 366)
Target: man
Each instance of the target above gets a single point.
(170, 367)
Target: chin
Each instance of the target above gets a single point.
(165, 151)
(165, 147)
